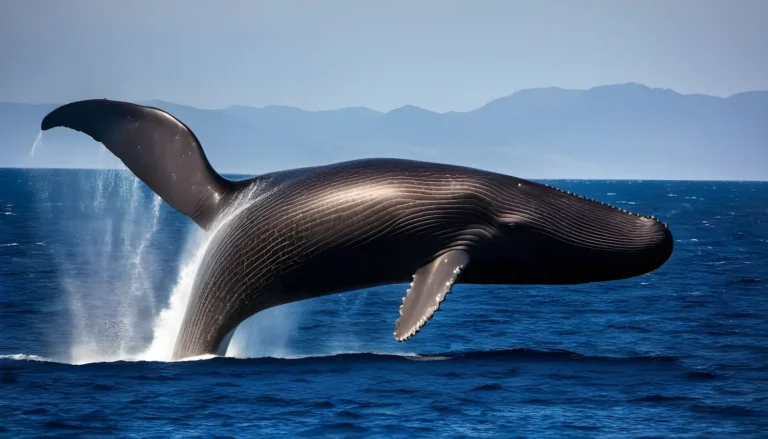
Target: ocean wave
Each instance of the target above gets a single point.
(490, 355)
(356, 357)
(518, 354)
(25, 357)
(662, 398)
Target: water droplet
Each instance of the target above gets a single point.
(38, 140)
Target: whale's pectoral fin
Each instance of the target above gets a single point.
(430, 285)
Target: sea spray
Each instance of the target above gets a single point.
(140, 275)
(109, 274)
(166, 325)
(168, 322)
(38, 141)
(268, 333)
(100, 240)
(105, 259)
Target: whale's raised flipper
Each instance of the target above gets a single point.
(158, 148)
(430, 285)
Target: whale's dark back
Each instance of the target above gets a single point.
(323, 230)
(351, 225)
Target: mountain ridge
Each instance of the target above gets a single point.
(519, 92)
(611, 131)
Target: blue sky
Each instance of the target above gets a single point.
(440, 55)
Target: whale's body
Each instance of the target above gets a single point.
(303, 233)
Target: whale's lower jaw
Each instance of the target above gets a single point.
(322, 230)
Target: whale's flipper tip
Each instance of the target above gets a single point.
(430, 285)
(158, 148)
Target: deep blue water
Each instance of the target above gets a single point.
(90, 259)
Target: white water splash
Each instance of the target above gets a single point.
(38, 141)
(109, 274)
(266, 334)
(168, 322)
(24, 357)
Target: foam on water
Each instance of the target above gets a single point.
(24, 357)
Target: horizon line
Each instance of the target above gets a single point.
(248, 175)
(623, 84)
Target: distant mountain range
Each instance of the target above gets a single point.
(613, 131)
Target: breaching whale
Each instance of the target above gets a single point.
(321, 230)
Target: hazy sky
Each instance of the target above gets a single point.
(441, 55)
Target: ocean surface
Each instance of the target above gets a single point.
(95, 271)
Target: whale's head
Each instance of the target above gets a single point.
(564, 238)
